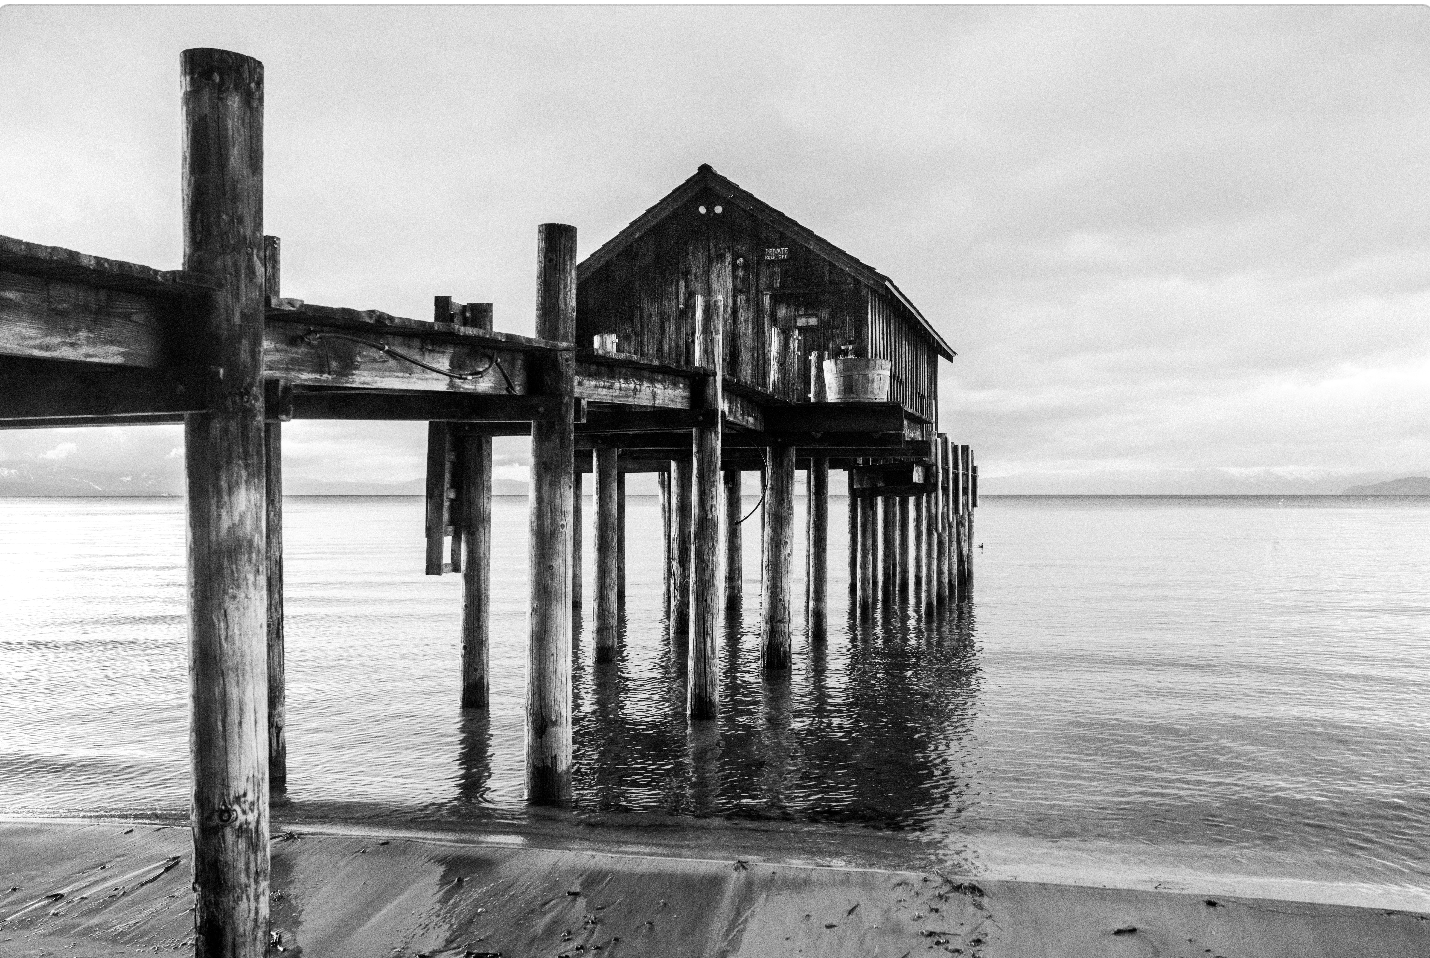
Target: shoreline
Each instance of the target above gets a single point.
(357, 890)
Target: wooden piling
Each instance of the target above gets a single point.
(816, 548)
(553, 446)
(576, 545)
(852, 514)
(930, 590)
(889, 548)
(901, 559)
(226, 480)
(941, 522)
(607, 541)
(707, 598)
(273, 536)
(620, 542)
(474, 457)
(965, 525)
(918, 553)
(667, 537)
(951, 490)
(779, 556)
(734, 546)
(868, 555)
(475, 451)
(682, 496)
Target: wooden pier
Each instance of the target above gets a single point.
(697, 344)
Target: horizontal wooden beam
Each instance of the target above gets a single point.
(629, 383)
(52, 391)
(825, 418)
(423, 407)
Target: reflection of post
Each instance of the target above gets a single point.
(734, 547)
(225, 480)
(604, 733)
(775, 742)
(607, 462)
(779, 556)
(817, 545)
(474, 763)
(703, 745)
(553, 448)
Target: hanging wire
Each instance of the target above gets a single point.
(313, 336)
(766, 457)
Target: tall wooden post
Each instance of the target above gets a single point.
(607, 463)
(951, 517)
(620, 541)
(972, 508)
(901, 560)
(965, 499)
(224, 463)
(734, 546)
(707, 597)
(553, 447)
(940, 523)
(854, 545)
(474, 451)
(779, 556)
(868, 555)
(667, 545)
(273, 535)
(889, 519)
(475, 494)
(576, 545)
(682, 496)
(918, 554)
(816, 583)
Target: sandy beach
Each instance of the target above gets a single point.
(123, 889)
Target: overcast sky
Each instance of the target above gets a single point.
(1177, 249)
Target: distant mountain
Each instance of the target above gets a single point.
(61, 479)
(1409, 486)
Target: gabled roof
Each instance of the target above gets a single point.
(706, 179)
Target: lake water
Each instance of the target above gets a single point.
(1156, 687)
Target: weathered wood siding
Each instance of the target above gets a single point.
(785, 302)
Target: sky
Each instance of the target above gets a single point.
(1178, 249)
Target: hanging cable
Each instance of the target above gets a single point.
(313, 336)
(766, 457)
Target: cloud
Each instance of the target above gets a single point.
(63, 451)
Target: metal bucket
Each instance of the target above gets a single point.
(856, 380)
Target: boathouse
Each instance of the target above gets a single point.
(792, 294)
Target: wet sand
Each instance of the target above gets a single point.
(123, 889)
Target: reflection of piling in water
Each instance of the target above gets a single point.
(474, 757)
